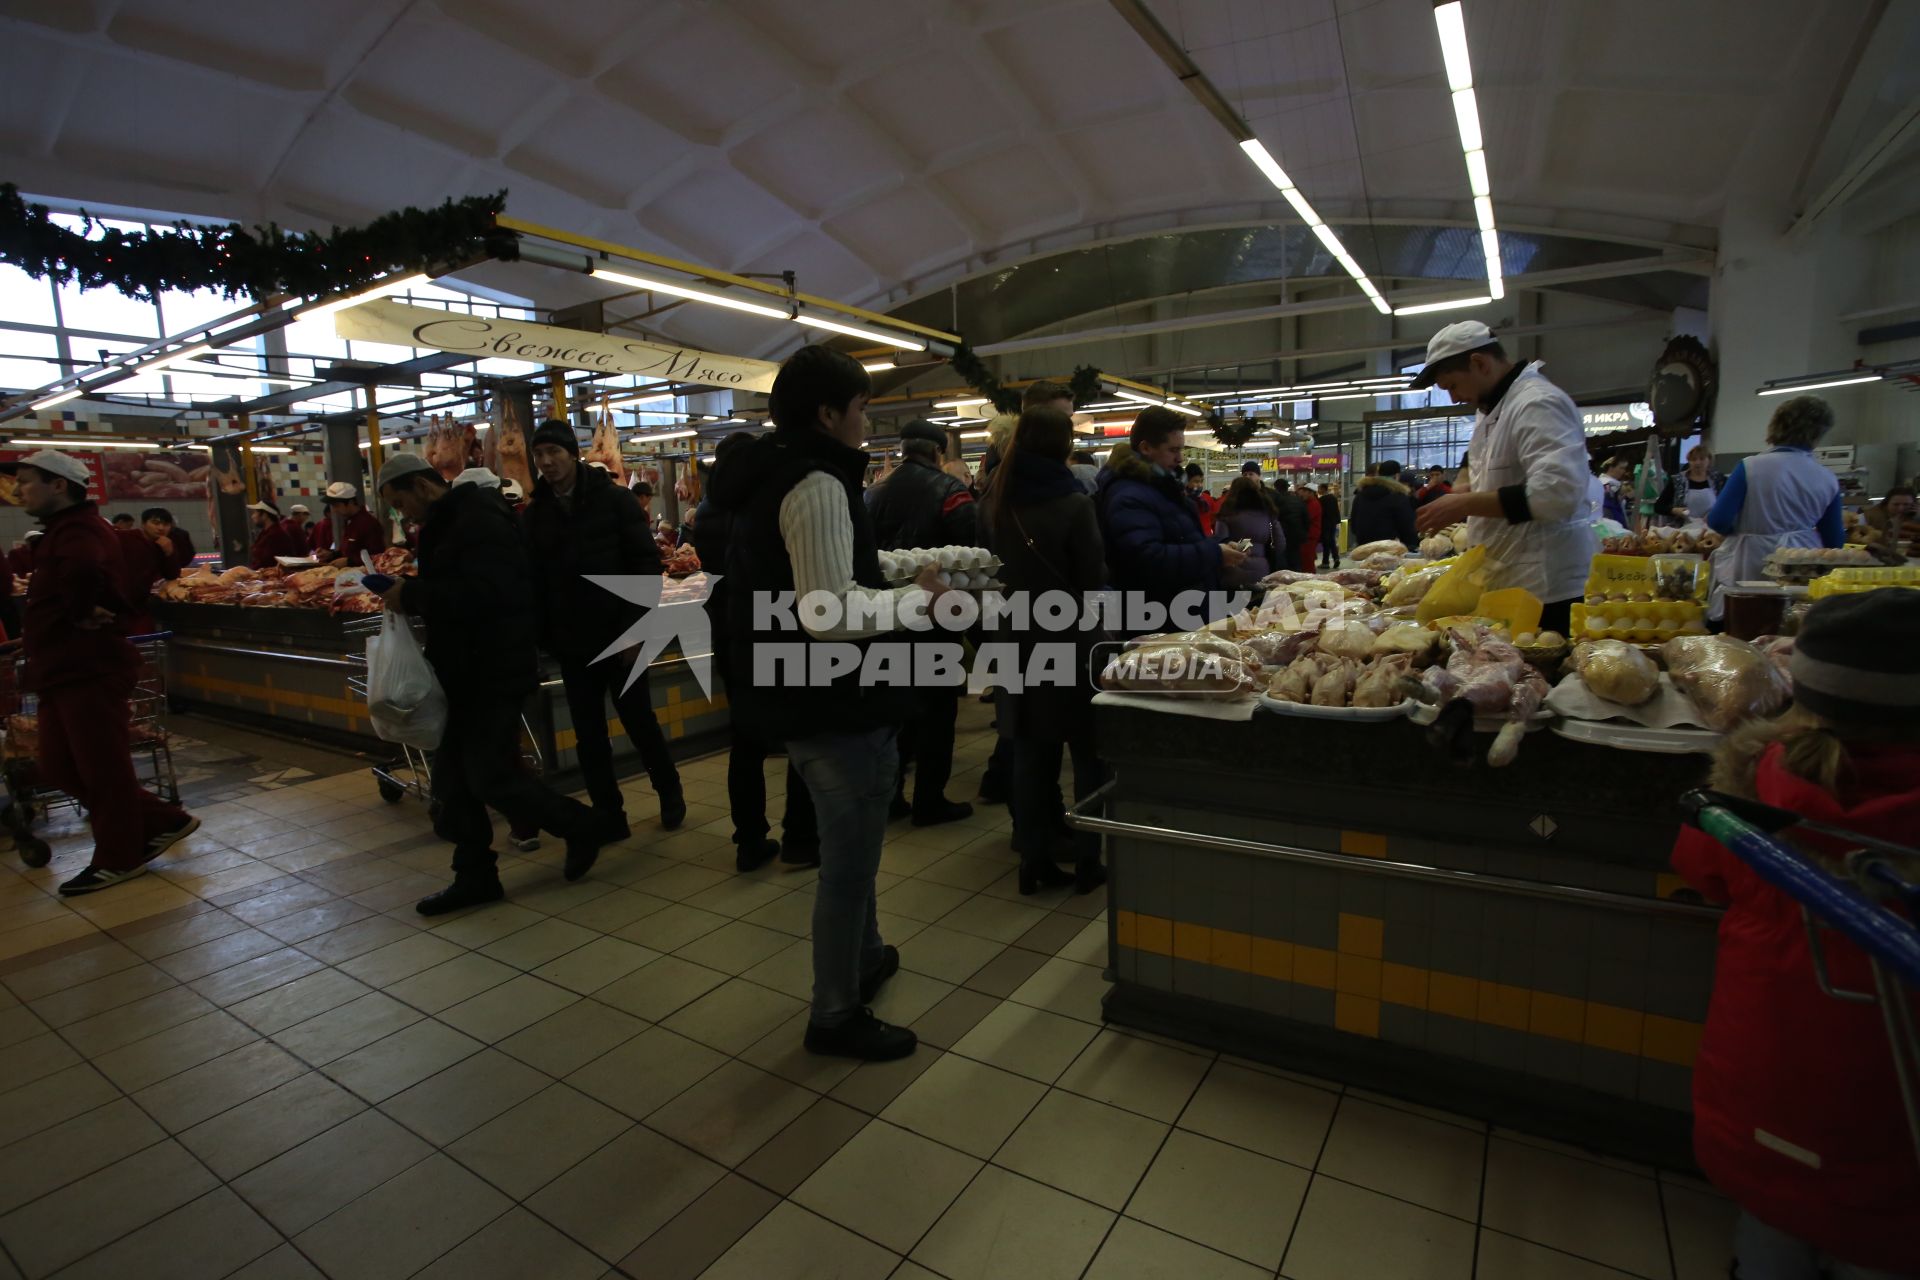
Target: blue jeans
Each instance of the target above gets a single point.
(1764, 1253)
(850, 777)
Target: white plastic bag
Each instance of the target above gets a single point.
(404, 699)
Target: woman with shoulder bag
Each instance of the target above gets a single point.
(1042, 525)
(1247, 512)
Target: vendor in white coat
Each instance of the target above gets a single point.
(1780, 498)
(1528, 506)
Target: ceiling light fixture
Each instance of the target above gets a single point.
(1816, 386)
(855, 331)
(162, 362)
(1450, 21)
(663, 435)
(643, 399)
(689, 293)
(959, 404)
(382, 290)
(1449, 305)
(880, 366)
(83, 440)
(1161, 404)
(62, 398)
(1267, 165)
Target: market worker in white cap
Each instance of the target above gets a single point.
(80, 664)
(299, 526)
(1528, 464)
(362, 531)
(270, 537)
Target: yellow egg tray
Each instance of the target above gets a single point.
(1648, 622)
(1847, 581)
(1632, 576)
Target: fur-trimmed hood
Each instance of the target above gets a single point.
(1385, 484)
(1125, 464)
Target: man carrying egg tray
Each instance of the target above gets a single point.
(921, 505)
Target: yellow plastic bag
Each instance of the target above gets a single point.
(1518, 607)
(1458, 592)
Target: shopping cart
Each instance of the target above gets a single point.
(28, 796)
(1874, 903)
(411, 772)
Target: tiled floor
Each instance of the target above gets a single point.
(260, 1062)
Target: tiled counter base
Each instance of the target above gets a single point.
(1339, 900)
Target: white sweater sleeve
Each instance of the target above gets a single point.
(819, 535)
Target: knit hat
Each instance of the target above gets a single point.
(921, 429)
(1855, 659)
(554, 431)
(402, 465)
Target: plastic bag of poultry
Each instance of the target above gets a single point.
(404, 698)
(1459, 591)
(1413, 587)
(1616, 671)
(1344, 638)
(1382, 547)
(1730, 681)
(1418, 643)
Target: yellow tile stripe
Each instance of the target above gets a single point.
(1361, 982)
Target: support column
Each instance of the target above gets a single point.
(375, 454)
(342, 440)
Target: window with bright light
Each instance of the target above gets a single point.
(24, 300)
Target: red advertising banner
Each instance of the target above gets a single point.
(96, 475)
(1312, 462)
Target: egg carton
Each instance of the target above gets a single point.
(964, 568)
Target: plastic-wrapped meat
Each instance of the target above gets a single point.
(1484, 676)
(1278, 648)
(1285, 577)
(1528, 693)
(1292, 685)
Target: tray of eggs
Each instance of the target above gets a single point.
(963, 568)
(1637, 618)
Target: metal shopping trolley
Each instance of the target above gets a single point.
(411, 772)
(1874, 902)
(29, 798)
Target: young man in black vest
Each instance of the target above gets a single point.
(579, 522)
(801, 532)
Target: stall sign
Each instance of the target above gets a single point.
(1603, 419)
(96, 474)
(489, 337)
(1312, 462)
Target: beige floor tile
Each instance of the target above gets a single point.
(681, 882)
(1263, 1113)
(965, 1104)
(888, 1185)
(404, 1223)
(1502, 1257)
(782, 1052)
(170, 938)
(788, 970)
(205, 1091)
(515, 1246)
(731, 1113)
(732, 1017)
(1005, 1225)
(735, 947)
(1576, 1152)
(256, 976)
(793, 1244)
(446, 1106)
(298, 1000)
(37, 1106)
(447, 984)
(338, 1032)
(562, 1043)
(538, 943)
(75, 1004)
(413, 954)
(625, 1191)
(874, 1086)
(1088, 946)
(105, 1032)
(947, 955)
(102, 1207)
(71, 1150)
(1223, 1197)
(401, 1060)
(1700, 1227)
(686, 1246)
(1346, 1230)
(1582, 1208)
(314, 920)
(1063, 987)
(531, 1144)
(672, 927)
(1428, 1162)
(295, 897)
(661, 988)
(910, 859)
(209, 1237)
(922, 900)
(356, 939)
(302, 1186)
(1083, 1147)
(1007, 972)
(646, 1072)
(71, 970)
(1136, 1251)
(484, 925)
(588, 968)
(169, 1052)
(739, 896)
(1136, 1075)
(499, 1012)
(962, 871)
(988, 917)
(792, 1155)
(614, 911)
(1029, 1042)
(791, 914)
(556, 897)
(1431, 1113)
(276, 1122)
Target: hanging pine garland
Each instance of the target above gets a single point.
(1232, 432)
(1085, 383)
(234, 261)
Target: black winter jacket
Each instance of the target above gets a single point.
(1382, 509)
(922, 506)
(475, 592)
(605, 533)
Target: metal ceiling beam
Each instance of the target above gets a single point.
(1698, 264)
(1885, 145)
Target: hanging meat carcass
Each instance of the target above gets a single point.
(605, 447)
(451, 447)
(507, 443)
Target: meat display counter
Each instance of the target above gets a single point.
(1340, 899)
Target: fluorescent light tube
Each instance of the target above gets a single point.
(663, 435)
(1483, 211)
(975, 435)
(1477, 173)
(1449, 305)
(1300, 206)
(643, 399)
(381, 290)
(880, 366)
(855, 331)
(1330, 240)
(162, 361)
(1265, 162)
(1452, 22)
(958, 404)
(691, 294)
(1764, 391)
(1466, 114)
(62, 398)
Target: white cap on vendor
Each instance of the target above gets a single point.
(299, 509)
(1457, 339)
(341, 491)
(265, 507)
(53, 462)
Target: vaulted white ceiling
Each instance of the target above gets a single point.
(882, 148)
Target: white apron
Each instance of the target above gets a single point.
(1698, 503)
(1533, 437)
(1787, 493)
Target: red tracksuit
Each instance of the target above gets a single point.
(84, 674)
(1307, 554)
(143, 564)
(363, 534)
(270, 542)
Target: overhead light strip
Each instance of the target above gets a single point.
(1817, 386)
(1264, 161)
(1450, 22)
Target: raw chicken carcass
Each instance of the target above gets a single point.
(1730, 681)
(1528, 694)
(1380, 685)
(1335, 685)
(1292, 685)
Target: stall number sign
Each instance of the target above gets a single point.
(1600, 419)
(1312, 462)
(96, 475)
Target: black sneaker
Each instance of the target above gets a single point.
(800, 856)
(94, 879)
(157, 845)
(673, 810)
(862, 1036)
(465, 891)
(944, 811)
(889, 965)
(583, 851)
(993, 791)
(754, 854)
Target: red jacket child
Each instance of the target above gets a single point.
(1797, 1111)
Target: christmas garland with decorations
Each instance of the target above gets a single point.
(259, 262)
(1231, 432)
(1084, 384)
